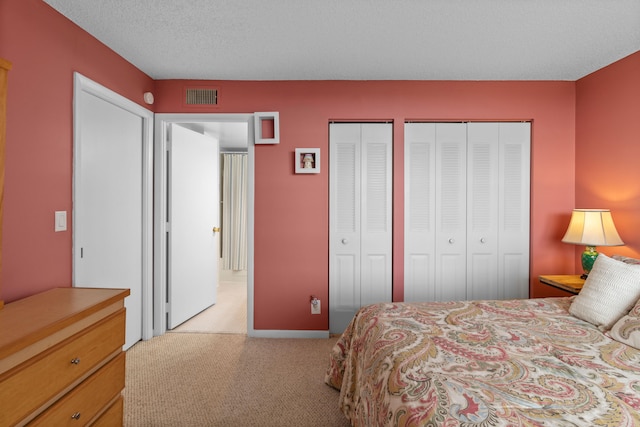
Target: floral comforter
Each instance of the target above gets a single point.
(483, 363)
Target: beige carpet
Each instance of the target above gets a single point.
(209, 380)
(227, 316)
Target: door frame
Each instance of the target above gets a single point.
(162, 121)
(84, 84)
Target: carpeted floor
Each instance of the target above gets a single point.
(209, 380)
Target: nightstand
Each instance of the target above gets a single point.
(567, 282)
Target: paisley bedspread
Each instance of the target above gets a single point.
(483, 363)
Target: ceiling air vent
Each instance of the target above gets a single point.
(202, 97)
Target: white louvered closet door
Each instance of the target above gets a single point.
(420, 212)
(435, 211)
(498, 213)
(451, 209)
(482, 219)
(514, 210)
(466, 211)
(498, 220)
(360, 236)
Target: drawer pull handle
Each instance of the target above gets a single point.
(76, 416)
(75, 361)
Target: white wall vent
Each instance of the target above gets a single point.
(201, 97)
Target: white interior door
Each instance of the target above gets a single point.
(109, 213)
(193, 195)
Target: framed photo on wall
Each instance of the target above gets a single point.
(307, 160)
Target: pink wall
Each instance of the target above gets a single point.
(608, 148)
(291, 228)
(45, 49)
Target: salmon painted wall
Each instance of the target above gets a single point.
(291, 229)
(45, 49)
(291, 210)
(608, 148)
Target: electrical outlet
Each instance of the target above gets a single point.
(315, 307)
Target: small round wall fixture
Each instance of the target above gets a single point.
(148, 98)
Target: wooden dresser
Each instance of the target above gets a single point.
(61, 358)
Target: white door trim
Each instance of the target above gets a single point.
(83, 84)
(160, 211)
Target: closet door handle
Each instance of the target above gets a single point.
(483, 240)
(345, 241)
(452, 241)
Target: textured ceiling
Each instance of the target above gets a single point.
(363, 39)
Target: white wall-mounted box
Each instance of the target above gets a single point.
(263, 122)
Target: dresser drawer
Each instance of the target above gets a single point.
(112, 417)
(87, 400)
(36, 382)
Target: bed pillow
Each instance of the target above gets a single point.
(627, 260)
(610, 291)
(627, 329)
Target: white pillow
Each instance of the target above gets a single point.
(611, 289)
(627, 331)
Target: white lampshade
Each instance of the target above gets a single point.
(592, 227)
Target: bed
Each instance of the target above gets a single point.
(568, 361)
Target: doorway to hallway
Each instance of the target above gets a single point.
(229, 314)
(218, 125)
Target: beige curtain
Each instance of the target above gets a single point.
(234, 212)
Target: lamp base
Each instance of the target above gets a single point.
(588, 258)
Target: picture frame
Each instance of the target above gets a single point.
(307, 160)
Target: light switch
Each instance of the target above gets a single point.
(60, 221)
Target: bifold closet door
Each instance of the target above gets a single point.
(360, 229)
(498, 210)
(435, 211)
(466, 211)
(482, 220)
(514, 201)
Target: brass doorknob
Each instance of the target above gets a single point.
(216, 229)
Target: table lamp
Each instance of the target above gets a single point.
(591, 227)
